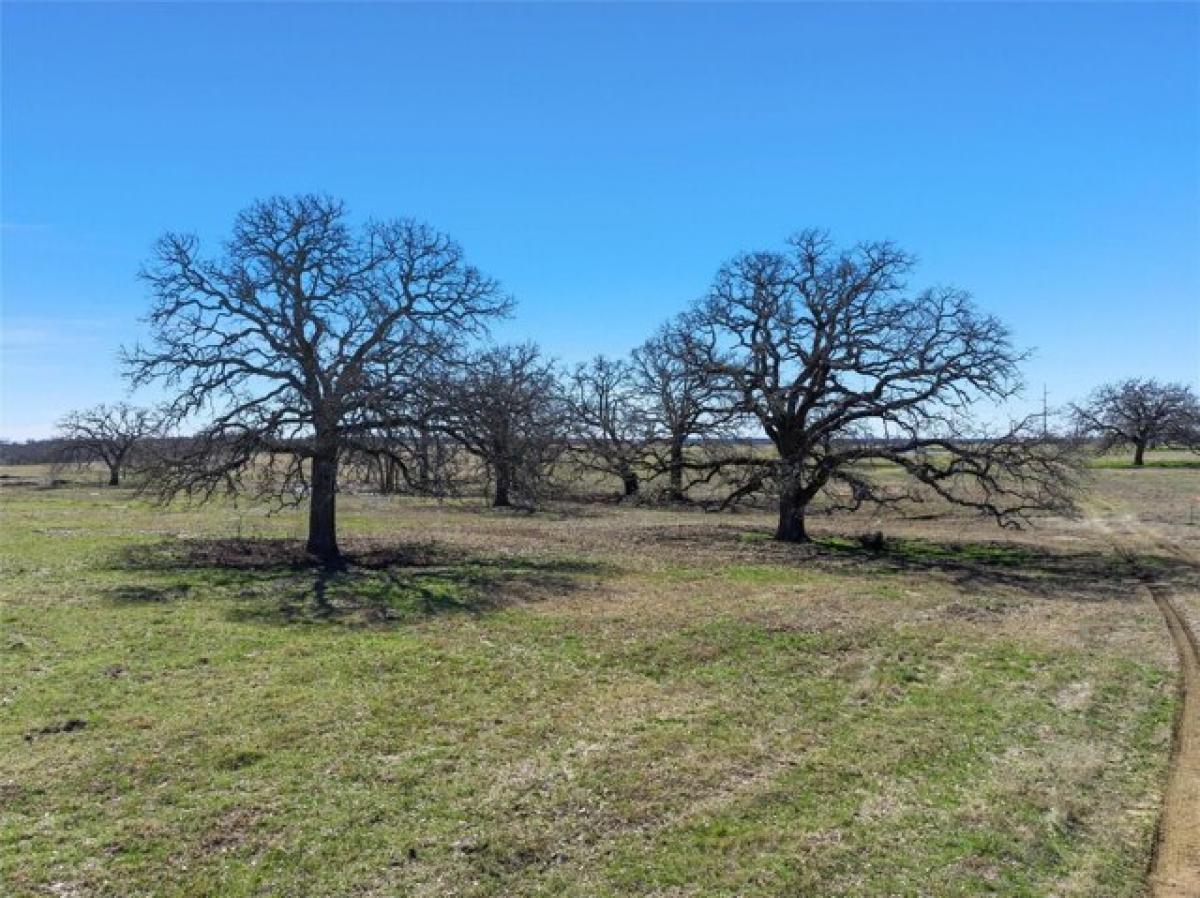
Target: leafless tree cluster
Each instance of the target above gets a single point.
(416, 456)
(610, 429)
(308, 350)
(1141, 414)
(505, 409)
(685, 403)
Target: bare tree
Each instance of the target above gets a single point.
(298, 340)
(505, 409)
(610, 430)
(1139, 413)
(417, 457)
(110, 434)
(681, 397)
(838, 363)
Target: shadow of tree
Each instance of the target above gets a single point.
(142, 594)
(1088, 576)
(1092, 574)
(276, 581)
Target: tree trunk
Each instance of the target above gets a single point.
(322, 512)
(791, 516)
(387, 474)
(630, 482)
(675, 470)
(503, 485)
(1139, 454)
(114, 475)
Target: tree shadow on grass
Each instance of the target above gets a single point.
(1088, 575)
(1091, 575)
(276, 581)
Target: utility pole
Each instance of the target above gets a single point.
(1045, 411)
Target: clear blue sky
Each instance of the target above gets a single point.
(602, 161)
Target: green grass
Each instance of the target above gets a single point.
(1154, 458)
(495, 706)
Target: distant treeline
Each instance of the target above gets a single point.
(31, 452)
(53, 450)
(56, 450)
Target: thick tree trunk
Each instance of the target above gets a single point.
(501, 498)
(1139, 454)
(425, 461)
(114, 475)
(629, 480)
(675, 470)
(791, 517)
(322, 512)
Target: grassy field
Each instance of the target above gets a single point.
(1155, 458)
(585, 701)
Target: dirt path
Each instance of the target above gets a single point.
(1175, 872)
(1175, 869)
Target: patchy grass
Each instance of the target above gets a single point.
(627, 702)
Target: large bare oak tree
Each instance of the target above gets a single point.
(838, 362)
(299, 338)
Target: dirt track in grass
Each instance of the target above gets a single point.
(1175, 868)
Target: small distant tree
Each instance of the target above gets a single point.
(302, 338)
(505, 409)
(609, 427)
(1141, 414)
(109, 434)
(682, 400)
(838, 363)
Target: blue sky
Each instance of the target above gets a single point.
(602, 161)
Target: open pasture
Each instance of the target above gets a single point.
(587, 700)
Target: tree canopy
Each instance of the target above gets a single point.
(838, 362)
(301, 337)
